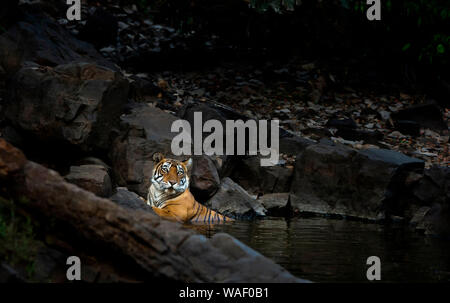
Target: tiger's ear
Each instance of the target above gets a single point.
(188, 163)
(157, 157)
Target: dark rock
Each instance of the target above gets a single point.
(412, 179)
(232, 200)
(418, 219)
(436, 222)
(248, 265)
(433, 193)
(12, 159)
(100, 29)
(268, 179)
(255, 178)
(440, 175)
(212, 111)
(140, 88)
(152, 249)
(204, 178)
(40, 39)
(426, 115)
(94, 161)
(47, 264)
(224, 164)
(128, 199)
(347, 129)
(337, 180)
(434, 187)
(433, 221)
(293, 145)
(342, 123)
(93, 178)
(220, 112)
(76, 104)
(317, 133)
(384, 115)
(326, 141)
(277, 204)
(11, 135)
(9, 274)
(146, 130)
(371, 137)
(407, 127)
(208, 111)
(392, 158)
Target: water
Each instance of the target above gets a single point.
(329, 250)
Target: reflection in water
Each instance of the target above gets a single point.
(326, 250)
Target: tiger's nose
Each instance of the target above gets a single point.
(172, 183)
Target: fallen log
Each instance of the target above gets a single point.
(157, 249)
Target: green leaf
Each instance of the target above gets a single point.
(440, 49)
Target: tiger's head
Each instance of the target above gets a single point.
(169, 175)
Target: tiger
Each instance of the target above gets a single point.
(170, 197)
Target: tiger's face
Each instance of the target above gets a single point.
(170, 175)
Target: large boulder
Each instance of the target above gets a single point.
(258, 179)
(94, 161)
(293, 145)
(211, 111)
(433, 221)
(434, 187)
(277, 204)
(38, 38)
(145, 131)
(232, 200)
(150, 247)
(129, 199)
(337, 180)
(427, 115)
(76, 103)
(288, 144)
(91, 177)
(247, 170)
(204, 178)
(433, 193)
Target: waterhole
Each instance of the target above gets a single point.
(332, 250)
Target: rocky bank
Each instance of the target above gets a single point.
(68, 109)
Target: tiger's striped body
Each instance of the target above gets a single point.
(170, 197)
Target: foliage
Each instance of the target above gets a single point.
(17, 237)
(277, 5)
(416, 31)
(421, 27)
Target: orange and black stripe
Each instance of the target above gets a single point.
(202, 214)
